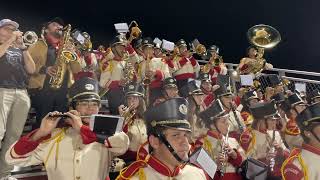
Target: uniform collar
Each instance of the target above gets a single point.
(214, 134)
(161, 168)
(311, 148)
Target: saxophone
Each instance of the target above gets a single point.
(129, 71)
(65, 55)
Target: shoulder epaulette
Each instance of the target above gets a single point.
(131, 170)
(292, 128)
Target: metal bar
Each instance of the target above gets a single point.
(285, 70)
(296, 72)
(302, 80)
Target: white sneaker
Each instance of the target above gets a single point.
(9, 177)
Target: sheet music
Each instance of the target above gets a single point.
(207, 163)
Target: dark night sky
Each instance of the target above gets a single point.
(223, 23)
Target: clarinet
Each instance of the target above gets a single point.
(241, 128)
(272, 150)
(224, 153)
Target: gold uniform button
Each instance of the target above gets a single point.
(77, 161)
(78, 177)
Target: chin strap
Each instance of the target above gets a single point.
(164, 140)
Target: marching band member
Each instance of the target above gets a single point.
(250, 98)
(87, 59)
(207, 88)
(168, 132)
(184, 66)
(115, 75)
(16, 65)
(224, 150)
(238, 98)
(275, 82)
(134, 125)
(195, 106)
(152, 71)
(293, 106)
(314, 96)
(269, 92)
(281, 124)
(304, 163)
(215, 65)
(158, 53)
(225, 95)
(74, 151)
(169, 90)
(261, 141)
(44, 53)
(254, 55)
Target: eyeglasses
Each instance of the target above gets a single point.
(88, 103)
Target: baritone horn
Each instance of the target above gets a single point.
(29, 38)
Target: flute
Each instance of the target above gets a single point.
(65, 116)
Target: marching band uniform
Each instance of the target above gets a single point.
(212, 142)
(114, 73)
(134, 126)
(245, 113)
(183, 68)
(246, 62)
(157, 65)
(204, 77)
(292, 132)
(152, 167)
(169, 82)
(235, 120)
(197, 127)
(89, 65)
(304, 163)
(87, 59)
(258, 142)
(66, 153)
(214, 68)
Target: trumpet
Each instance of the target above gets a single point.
(30, 38)
(128, 114)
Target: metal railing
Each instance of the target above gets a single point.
(291, 75)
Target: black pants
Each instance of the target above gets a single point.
(115, 98)
(45, 101)
(183, 92)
